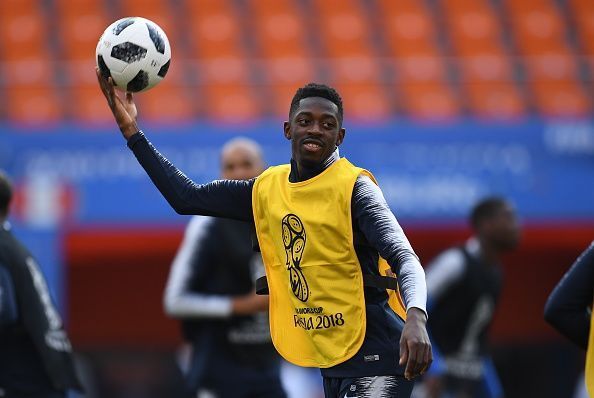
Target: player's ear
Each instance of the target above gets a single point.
(287, 130)
(340, 138)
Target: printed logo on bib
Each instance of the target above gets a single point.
(294, 241)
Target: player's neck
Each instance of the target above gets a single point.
(302, 172)
(489, 253)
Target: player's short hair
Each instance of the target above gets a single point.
(317, 90)
(5, 193)
(243, 142)
(486, 209)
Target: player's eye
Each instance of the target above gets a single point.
(302, 122)
(328, 125)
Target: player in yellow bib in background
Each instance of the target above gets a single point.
(322, 226)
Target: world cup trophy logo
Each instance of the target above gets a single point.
(294, 242)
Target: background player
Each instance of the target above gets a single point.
(211, 289)
(315, 131)
(35, 353)
(463, 286)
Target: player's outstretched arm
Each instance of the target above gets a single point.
(228, 198)
(124, 110)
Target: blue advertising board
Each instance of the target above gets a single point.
(428, 173)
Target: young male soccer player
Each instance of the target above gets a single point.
(322, 225)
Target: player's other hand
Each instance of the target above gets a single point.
(415, 347)
(249, 304)
(124, 110)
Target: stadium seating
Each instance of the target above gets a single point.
(240, 60)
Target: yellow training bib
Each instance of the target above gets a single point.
(317, 304)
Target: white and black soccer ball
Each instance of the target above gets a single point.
(135, 52)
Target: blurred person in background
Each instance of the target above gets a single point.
(463, 287)
(35, 353)
(569, 309)
(339, 318)
(211, 290)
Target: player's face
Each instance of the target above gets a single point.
(240, 163)
(504, 229)
(314, 131)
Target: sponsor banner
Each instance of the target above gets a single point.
(429, 173)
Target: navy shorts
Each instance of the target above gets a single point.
(373, 386)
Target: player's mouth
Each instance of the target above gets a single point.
(312, 145)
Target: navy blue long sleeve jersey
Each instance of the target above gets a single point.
(375, 229)
(569, 307)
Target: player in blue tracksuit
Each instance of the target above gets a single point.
(393, 351)
(35, 353)
(464, 284)
(211, 290)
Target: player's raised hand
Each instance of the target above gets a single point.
(124, 110)
(415, 347)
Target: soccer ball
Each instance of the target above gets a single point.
(135, 52)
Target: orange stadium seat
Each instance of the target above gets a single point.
(583, 14)
(214, 29)
(352, 66)
(222, 68)
(230, 103)
(23, 33)
(280, 34)
(365, 102)
(407, 26)
(561, 99)
(80, 28)
(429, 101)
(472, 26)
(344, 29)
(34, 70)
(171, 99)
(81, 23)
(18, 6)
(499, 100)
(420, 69)
(421, 66)
(88, 104)
(166, 103)
(485, 70)
(538, 26)
(541, 37)
(410, 35)
(33, 105)
(278, 27)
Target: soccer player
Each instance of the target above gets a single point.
(463, 285)
(569, 309)
(211, 288)
(322, 225)
(35, 353)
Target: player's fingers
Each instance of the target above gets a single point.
(412, 363)
(102, 84)
(113, 98)
(403, 352)
(129, 98)
(426, 359)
